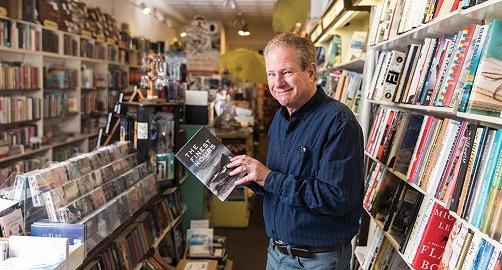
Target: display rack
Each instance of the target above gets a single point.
(72, 122)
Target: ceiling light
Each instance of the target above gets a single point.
(183, 34)
(146, 10)
(244, 32)
(298, 24)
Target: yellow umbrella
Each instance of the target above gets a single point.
(245, 64)
(287, 13)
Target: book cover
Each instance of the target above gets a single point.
(434, 239)
(486, 93)
(410, 247)
(206, 157)
(200, 241)
(456, 241)
(407, 211)
(356, 46)
(12, 223)
(408, 70)
(405, 152)
(484, 255)
(75, 233)
(494, 197)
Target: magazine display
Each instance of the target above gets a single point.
(206, 157)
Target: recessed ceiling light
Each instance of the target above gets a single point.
(183, 34)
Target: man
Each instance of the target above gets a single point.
(312, 186)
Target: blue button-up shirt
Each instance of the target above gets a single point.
(313, 196)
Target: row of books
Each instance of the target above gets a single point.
(5, 33)
(91, 102)
(382, 255)
(15, 75)
(70, 45)
(396, 17)
(59, 104)
(345, 86)
(417, 224)
(469, 250)
(117, 79)
(8, 172)
(100, 51)
(20, 135)
(25, 36)
(60, 78)
(50, 41)
(86, 48)
(457, 71)
(457, 162)
(115, 54)
(92, 78)
(19, 108)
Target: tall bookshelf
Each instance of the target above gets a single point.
(47, 47)
(451, 23)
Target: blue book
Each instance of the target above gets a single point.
(487, 179)
(476, 55)
(76, 233)
(484, 255)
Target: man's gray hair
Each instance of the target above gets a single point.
(304, 47)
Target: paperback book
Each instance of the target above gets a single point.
(206, 157)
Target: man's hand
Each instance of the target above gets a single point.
(256, 172)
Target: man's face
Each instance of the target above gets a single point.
(288, 83)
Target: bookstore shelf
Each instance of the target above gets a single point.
(3, 125)
(353, 65)
(360, 252)
(159, 239)
(389, 237)
(70, 114)
(59, 56)
(443, 204)
(403, 178)
(455, 21)
(30, 152)
(26, 153)
(20, 90)
(151, 104)
(20, 51)
(442, 111)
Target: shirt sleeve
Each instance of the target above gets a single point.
(256, 188)
(338, 186)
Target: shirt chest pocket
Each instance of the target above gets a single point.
(299, 161)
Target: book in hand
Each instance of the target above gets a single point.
(206, 157)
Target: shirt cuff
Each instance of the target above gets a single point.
(274, 182)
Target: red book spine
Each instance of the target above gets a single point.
(415, 160)
(434, 239)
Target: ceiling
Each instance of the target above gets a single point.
(257, 12)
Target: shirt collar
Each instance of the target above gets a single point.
(313, 102)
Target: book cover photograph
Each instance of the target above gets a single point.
(206, 157)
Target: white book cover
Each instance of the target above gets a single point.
(412, 91)
(456, 246)
(392, 76)
(376, 74)
(200, 241)
(375, 243)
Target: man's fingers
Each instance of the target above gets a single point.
(237, 170)
(243, 180)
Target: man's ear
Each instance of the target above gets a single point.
(312, 70)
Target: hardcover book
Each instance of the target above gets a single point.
(206, 157)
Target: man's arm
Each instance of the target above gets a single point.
(337, 188)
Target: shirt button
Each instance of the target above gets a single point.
(283, 155)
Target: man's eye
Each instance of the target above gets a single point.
(288, 72)
(271, 74)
